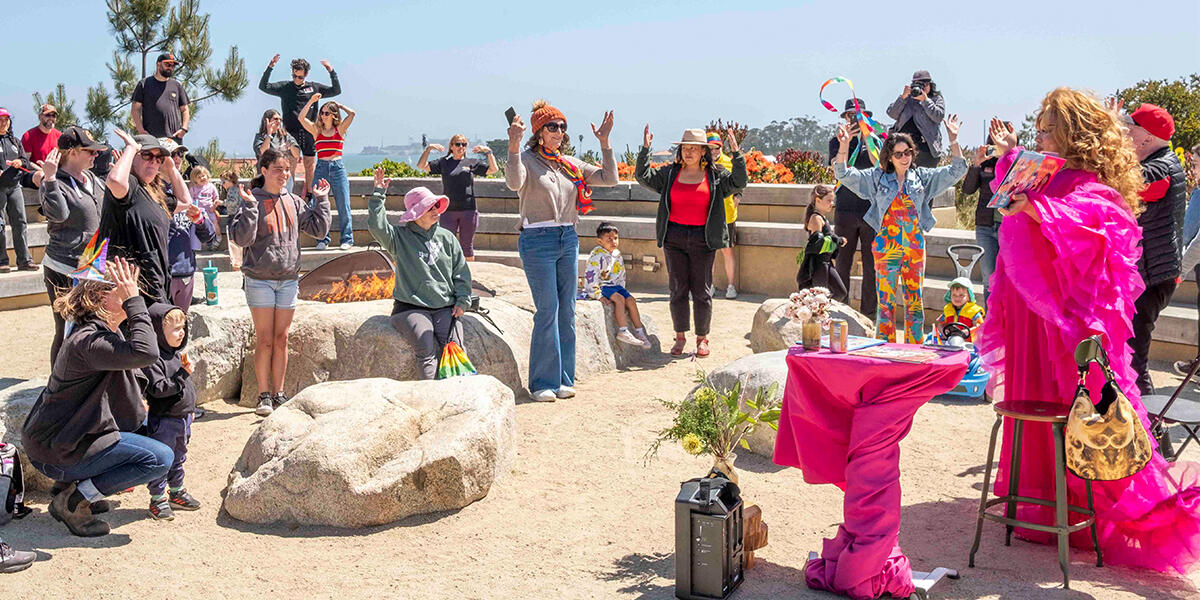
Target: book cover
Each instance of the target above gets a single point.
(1029, 173)
(898, 354)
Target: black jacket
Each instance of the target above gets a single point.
(1165, 199)
(979, 179)
(847, 202)
(93, 393)
(138, 228)
(812, 252)
(12, 177)
(169, 388)
(721, 183)
(293, 98)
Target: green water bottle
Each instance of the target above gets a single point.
(210, 284)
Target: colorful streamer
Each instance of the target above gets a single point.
(91, 262)
(870, 131)
(454, 362)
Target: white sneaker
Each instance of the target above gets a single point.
(346, 246)
(565, 392)
(545, 396)
(641, 335)
(628, 338)
(731, 292)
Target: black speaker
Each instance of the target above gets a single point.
(708, 539)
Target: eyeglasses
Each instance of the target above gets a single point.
(459, 144)
(905, 153)
(151, 156)
(556, 127)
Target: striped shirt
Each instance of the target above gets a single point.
(330, 147)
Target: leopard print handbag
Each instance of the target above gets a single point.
(1105, 441)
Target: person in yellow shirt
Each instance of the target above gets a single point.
(731, 213)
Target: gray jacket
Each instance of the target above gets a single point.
(72, 214)
(927, 114)
(268, 230)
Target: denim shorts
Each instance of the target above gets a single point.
(270, 293)
(608, 290)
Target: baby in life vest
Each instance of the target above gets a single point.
(961, 309)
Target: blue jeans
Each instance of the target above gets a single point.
(339, 187)
(550, 257)
(988, 238)
(134, 460)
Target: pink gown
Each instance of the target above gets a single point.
(1057, 282)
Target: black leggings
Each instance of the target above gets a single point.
(689, 268)
(824, 275)
(57, 284)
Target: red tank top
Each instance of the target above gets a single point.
(329, 147)
(689, 202)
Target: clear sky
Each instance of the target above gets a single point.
(442, 67)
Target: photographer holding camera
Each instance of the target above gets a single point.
(918, 112)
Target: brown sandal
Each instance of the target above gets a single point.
(702, 347)
(677, 349)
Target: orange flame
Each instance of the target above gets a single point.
(359, 289)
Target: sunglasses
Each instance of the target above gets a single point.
(459, 144)
(276, 119)
(50, 115)
(556, 127)
(152, 156)
(905, 154)
(326, 113)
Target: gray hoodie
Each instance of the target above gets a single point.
(72, 214)
(268, 230)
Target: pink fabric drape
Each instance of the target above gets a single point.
(1056, 282)
(842, 421)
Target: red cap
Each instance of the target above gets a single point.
(1154, 119)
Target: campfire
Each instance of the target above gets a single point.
(358, 277)
(358, 289)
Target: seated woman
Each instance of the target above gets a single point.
(433, 282)
(79, 428)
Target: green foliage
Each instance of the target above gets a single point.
(392, 168)
(715, 419)
(1181, 98)
(806, 166)
(721, 126)
(629, 157)
(212, 152)
(802, 133)
(591, 157)
(66, 107)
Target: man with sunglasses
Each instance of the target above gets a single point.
(293, 95)
(40, 140)
(160, 104)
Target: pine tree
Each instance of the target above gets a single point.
(58, 98)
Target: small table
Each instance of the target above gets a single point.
(842, 420)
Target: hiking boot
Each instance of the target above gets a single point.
(28, 267)
(160, 509)
(12, 561)
(80, 521)
(98, 507)
(182, 500)
(264, 407)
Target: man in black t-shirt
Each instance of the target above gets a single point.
(848, 220)
(293, 95)
(160, 104)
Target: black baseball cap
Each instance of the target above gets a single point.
(166, 56)
(149, 142)
(78, 137)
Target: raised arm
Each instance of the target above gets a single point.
(423, 162)
(53, 202)
(377, 222)
(858, 181)
(651, 178)
(344, 126)
(895, 108)
(315, 219)
(492, 167)
(118, 177)
(514, 173)
(264, 83)
(243, 219)
(606, 175)
(308, 125)
(335, 86)
(107, 350)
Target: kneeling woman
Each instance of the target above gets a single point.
(433, 282)
(78, 430)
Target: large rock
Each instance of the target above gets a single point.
(755, 371)
(15, 403)
(374, 451)
(772, 330)
(219, 339)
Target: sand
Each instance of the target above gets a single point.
(581, 515)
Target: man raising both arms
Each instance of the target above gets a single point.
(293, 95)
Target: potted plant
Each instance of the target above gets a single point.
(810, 308)
(711, 421)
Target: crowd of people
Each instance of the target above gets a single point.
(119, 405)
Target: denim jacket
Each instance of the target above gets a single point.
(879, 188)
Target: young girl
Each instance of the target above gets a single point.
(330, 134)
(816, 268)
(205, 195)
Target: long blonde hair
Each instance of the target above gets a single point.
(83, 300)
(1092, 138)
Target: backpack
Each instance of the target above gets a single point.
(12, 484)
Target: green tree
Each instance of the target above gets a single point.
(1181, 98)
(144, 28)
(66, 108)
(499, 150)
(801, 133)
(212, 152)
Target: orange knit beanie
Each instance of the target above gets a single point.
(544, 113)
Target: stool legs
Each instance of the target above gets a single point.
(1095, 540)
(1014, 476)
(1060, 502)
(987, 479)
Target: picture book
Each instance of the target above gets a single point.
(898, 354)
(1029, 173)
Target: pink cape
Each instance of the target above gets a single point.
(1057, 282)
(842, 420)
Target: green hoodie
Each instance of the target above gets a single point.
(431, 269)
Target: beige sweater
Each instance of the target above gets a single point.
(545, 191)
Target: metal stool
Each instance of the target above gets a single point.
(1056, 415)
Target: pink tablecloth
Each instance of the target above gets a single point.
(842, 421)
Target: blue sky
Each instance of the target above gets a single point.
(438, 67)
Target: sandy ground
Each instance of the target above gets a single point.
(581, 516)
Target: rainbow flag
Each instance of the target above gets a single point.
(454, 362)
(91, 262)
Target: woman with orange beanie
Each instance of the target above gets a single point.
(554, 189)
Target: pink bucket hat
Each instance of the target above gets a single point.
(419, 200)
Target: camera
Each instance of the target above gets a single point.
(916, 89)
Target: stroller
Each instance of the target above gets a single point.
(974, 383)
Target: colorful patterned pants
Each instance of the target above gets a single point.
(899, 251)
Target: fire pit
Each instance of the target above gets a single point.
(358, 277)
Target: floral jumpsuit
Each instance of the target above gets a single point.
(900, 271)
